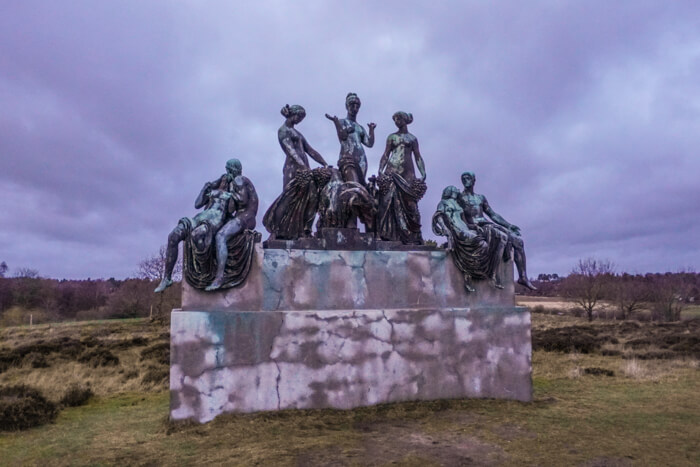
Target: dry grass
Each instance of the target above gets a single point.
(648, 413)
(124, 339)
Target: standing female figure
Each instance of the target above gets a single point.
(399, 188)
(291, 215)
(294, 144)
(352, 161)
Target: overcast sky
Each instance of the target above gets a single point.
(581, 118)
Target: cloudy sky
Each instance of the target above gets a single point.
(581, 118)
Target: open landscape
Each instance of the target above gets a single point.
(605, 393)
(350, 233)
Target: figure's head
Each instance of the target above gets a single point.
(468, 179)
(450, 192)
(234, 167)
(294, 112)
(402, 118)
(352, 103)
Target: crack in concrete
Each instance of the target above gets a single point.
(391, 336)
(277, 384)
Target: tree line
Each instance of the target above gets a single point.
(594, 283)
(591, 284)
(25, 296)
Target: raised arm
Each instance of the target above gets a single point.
(419, 159)
(342, 134)
(203, 196)
(368, 140)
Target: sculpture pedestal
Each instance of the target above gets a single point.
(343, 329)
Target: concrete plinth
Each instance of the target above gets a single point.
(271, 360)
(285, 280)
(340, 328)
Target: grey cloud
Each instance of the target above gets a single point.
(579, 118)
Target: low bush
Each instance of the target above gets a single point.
(583, 339)
(76, 395)
(155, 375)
(23, 407)
(36, 360)
(598, 371)
(158, 352)
(99, 357)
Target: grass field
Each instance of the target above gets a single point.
(647, 413)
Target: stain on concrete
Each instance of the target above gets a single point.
(348, 358)
(285, 280)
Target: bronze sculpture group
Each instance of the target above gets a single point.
(219, 241)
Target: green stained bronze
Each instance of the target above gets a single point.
(230, 205)
(398, 218)
(477, 208)
(352, 164)
(291, 215)
(477, 252)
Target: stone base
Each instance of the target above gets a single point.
(304, 279)
(237, 361)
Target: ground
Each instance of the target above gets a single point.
(627, 401)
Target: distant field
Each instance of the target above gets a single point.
(646, 413)
(559, 303)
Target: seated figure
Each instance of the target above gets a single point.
(477, 252)
(225, 199)
(478, 209)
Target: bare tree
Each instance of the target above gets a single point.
(28, 273)
(3, 269)
(631, 294)
(668, 292)
(588, 283)
(152, 267)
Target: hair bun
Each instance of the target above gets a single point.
(286, 111)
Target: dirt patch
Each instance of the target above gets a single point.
(608, 462)
(384, 443)
(393, 443)
(510, 432)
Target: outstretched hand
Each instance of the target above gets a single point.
(332, 117)
(371, 126)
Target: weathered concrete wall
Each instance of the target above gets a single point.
(251, 361)
(350, 280)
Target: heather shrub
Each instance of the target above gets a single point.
(23, 407)
(76, 395)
